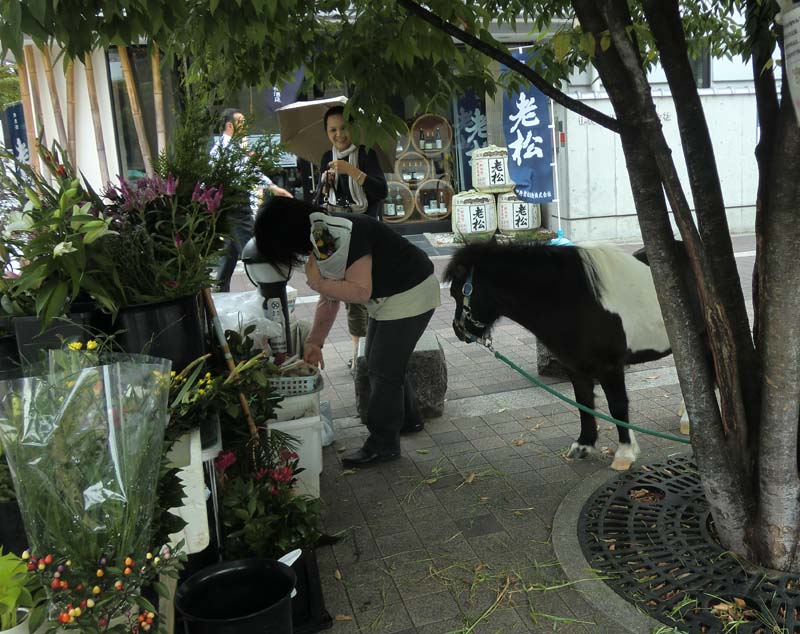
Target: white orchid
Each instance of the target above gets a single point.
(17, 222)
(62, 248)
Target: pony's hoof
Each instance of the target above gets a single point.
(621, 464)
(626, 455)
(579, 452)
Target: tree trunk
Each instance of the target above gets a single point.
(779, 513)
(724, 486)
(136, 111)
(54, 98)
(30, 65)
(96, 120)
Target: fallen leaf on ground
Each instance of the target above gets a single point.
(655, 376)
(502, 409)
(431, 481)
(338, 574)
(607, 451)
(341, 449)
(470, 478)
(349, 472)
(423, 451)
(484, 498)
(343, 617)
(519, 442)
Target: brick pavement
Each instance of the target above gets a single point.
(455, 536)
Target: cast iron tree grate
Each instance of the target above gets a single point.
(650, 531)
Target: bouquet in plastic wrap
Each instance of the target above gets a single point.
(83, 442)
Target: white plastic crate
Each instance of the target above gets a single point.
(294, 385)
(308, 431)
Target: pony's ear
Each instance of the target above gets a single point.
(455, 271)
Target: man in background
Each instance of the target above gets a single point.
(238, 220)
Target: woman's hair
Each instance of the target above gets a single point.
(332, 111)
(283, 230)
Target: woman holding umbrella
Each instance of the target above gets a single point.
(392, 277)
(352, 181)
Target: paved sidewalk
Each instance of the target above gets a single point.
(456, 535)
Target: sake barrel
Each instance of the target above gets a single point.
(490, 170)
(474, 215)
(433, 198)
(399, 203)
(412, 168)
(515, 215)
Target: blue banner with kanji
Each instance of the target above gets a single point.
(471, 132)
(529, 139)
(17, 139)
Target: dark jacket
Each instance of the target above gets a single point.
(374, 185)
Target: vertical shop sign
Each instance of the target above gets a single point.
(529, 138)
(17, 140)
(472, 132)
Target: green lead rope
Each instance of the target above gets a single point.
(588, 410)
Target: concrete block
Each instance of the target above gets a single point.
(427, 371)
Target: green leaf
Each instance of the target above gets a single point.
(38, 9)
(605, 41)
(162, 590)
(588, 43)
(55, 305)
(561, 45)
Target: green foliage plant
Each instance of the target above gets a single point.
(15, 593)
(55, 233)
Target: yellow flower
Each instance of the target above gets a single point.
(173, 373)
(201, 391)
(91, 344)
(208, 375)
(75, 345)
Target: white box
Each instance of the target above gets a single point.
(308, 432)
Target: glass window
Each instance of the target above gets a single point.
(130, 156)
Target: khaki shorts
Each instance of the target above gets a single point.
(357, 318)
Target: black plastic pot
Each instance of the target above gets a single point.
(12, 530)
(246, 596)
(32, 341)
(171, 330)
(308, 607)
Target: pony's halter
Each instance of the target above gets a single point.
(466, 318)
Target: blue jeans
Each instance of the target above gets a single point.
(392, 402)
(240, 230)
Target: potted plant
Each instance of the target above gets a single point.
(164, 247)
(17, 592)
(54, 263)
(84, 444)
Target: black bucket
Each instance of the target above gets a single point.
(246, 596)
(171, 329)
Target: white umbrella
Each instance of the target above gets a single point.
(303, 132)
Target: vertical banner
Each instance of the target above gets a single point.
(17, 140)
(286, 93)
(529, 138)
(471, 132)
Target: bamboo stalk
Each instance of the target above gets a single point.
(212, 311)
(27, 109)
(136, 111)
(54, 98)
(33, 73)
(158, 99)
(71, 143)
(96, 121)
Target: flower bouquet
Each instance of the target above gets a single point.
(330, 242)
(83, 443)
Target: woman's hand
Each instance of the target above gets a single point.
(312, 354)
(343, 167)
(313, 276)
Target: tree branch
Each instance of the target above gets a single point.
(508, 60)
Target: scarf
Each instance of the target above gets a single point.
(357, 194)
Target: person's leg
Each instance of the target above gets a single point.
(412, 421)
(240, 230)
(390, 344)
(357, 317)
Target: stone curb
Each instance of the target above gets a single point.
(570, 555)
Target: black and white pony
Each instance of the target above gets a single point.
(593, 306)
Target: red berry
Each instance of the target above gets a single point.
(31, 565)
(48, 559)
(55, 584)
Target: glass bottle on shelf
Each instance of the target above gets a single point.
(421, 139)
(399, 206)
(399, 148)
(437, 139)
(388, 208)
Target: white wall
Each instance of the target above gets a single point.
(596, 197)
(85, 146)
